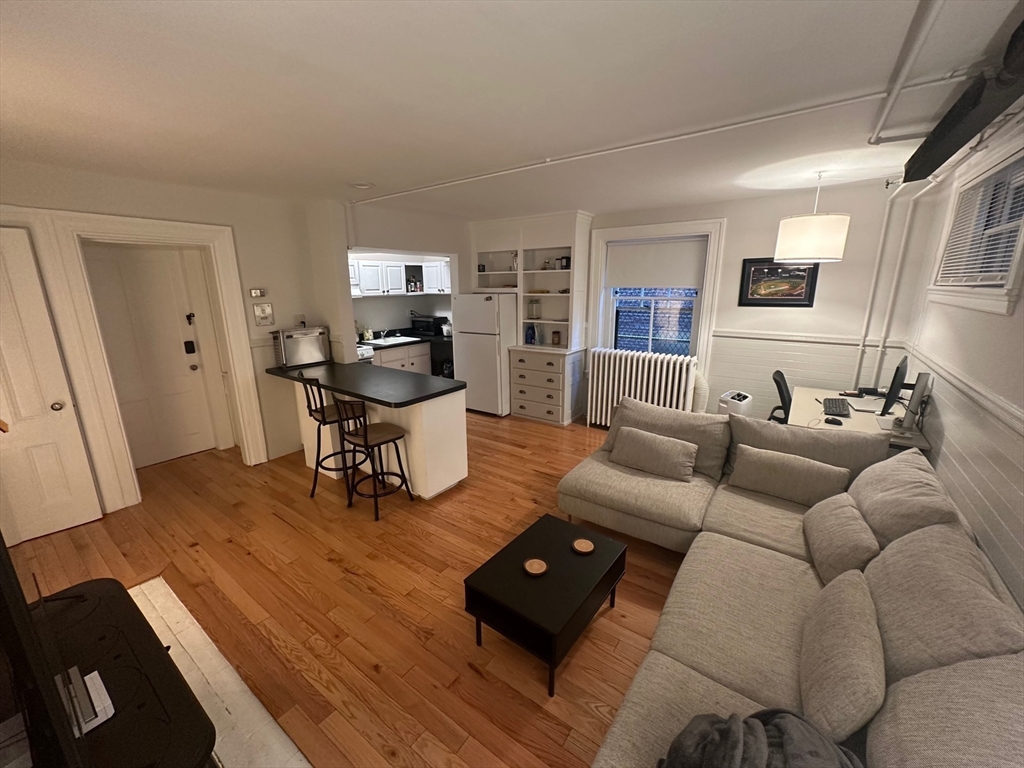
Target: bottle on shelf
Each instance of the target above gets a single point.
(531, 334)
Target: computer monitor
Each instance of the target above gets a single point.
(899, 377)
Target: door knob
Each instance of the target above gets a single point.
(58, 406)
(193, 367)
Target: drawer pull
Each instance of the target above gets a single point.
(521, 376)
(551, 397)
(522, 407)
(547, 363)
(550, 381)
(521, 360)
(522, 391)
(551, 413)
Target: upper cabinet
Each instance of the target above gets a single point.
(432, 277)
(446, 277)
(371, 278)
(558, 231)
(394, 278)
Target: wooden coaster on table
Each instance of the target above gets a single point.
(583, 546)
(535, 567)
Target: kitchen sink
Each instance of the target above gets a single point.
(387, 342)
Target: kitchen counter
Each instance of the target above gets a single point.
(383, 386)
(431, 409)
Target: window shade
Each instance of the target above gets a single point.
(986, 227)
(675, 263)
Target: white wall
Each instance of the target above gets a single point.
(271, 240)
(975, 421)
(380, 312)
(815, 346)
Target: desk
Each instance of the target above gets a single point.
(432, 411)
(806, 411)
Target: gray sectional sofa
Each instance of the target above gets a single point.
(856, 597)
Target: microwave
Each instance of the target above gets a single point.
(294, 347)
(428, 326)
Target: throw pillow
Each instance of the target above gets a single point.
(900, 495)
(657, 454)
(708, 431)
(853, 450)
(842, 670)
(786, 476)
(936, 605)
(838, 537)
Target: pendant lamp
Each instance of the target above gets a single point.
(812, 237)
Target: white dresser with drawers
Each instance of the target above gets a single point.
(547, 383)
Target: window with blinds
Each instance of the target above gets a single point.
(985, 235)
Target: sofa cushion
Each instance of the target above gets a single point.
(967, 715)
(900, 495)
(757, 518)
(709, 432)
(662, 699)
(838, 538)
(852, 450)
(842, 671)
(735, 614)
(657, 454)
(786, 475)
(637, 493)
(936, 605)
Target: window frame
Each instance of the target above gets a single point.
(695, 314)
(999, 300)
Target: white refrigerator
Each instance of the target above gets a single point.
(485, 326)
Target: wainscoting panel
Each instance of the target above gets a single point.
(980, 459)
(747, 364)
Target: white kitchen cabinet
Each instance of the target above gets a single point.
(446, 277)
(394, 278)
(371, 278)
(432, 277)
(415, 358)
(353, 273)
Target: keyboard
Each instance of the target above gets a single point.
(836, 406)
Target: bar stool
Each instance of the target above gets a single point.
(370, 438)
(326, 415)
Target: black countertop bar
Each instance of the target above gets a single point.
(373, 383)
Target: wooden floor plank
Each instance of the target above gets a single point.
(352, 632)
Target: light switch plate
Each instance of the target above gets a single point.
(264, 314)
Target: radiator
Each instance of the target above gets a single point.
(665, 380)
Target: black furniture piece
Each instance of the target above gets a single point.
(96, 627)
(325, 415)
(545, 614)
(373, 383)
(369, 438)
(785, 397)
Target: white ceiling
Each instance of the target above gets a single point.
(301, 98)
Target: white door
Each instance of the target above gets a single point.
(432, 277)
(371, 278)
(46, 482)
(446, 277)
(475, 312)
(141, 302)
(477, 363)
(394, 277)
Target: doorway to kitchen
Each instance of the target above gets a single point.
(156, 321)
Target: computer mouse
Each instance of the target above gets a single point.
(833, 421)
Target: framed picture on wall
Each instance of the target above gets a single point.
(765, 283)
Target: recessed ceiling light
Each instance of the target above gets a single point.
(361, 185)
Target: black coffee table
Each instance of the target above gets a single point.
(545, 614)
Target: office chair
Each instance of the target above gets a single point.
(784, 395)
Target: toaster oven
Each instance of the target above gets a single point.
(294, 347)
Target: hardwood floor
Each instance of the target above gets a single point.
(352, 633)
